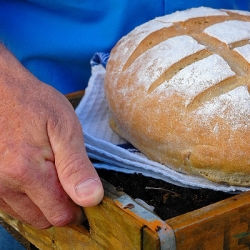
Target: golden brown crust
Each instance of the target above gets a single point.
(177, 89)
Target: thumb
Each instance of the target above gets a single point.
(80, 180)
(76, 173)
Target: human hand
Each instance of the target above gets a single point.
(44, 170)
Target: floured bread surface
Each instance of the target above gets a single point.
(178, 90)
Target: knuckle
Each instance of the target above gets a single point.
(62, 219)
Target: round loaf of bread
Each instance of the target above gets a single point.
(178, 90)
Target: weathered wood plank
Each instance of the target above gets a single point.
(53, 238)
(223, 225)
(110, 228)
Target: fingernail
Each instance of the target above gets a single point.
(88, 187)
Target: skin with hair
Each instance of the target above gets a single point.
(45, 174)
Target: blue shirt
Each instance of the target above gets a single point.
(55, 39)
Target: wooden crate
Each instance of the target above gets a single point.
(118, 222)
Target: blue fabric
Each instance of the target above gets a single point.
(55, 39)
(7, 242)
(99, 58)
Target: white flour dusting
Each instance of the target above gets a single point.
(198, 77)
(240, 12)
(229, 31)
(162, 57)
(128, 46)
(182, 16)
(235, 103)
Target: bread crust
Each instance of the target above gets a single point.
(178, 90)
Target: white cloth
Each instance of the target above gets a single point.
(101, 143)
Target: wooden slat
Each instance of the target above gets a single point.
(223, 225)
(53, 238)
(110, 228)
(150, 240)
